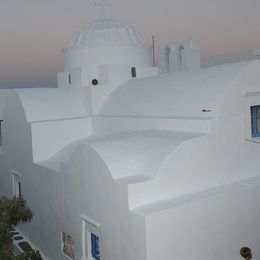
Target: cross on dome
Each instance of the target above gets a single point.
(103, 4)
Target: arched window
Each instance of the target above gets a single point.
(178, 59)
(180, 54)
(133, 72)
(167, 59)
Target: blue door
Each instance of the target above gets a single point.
(95, 247)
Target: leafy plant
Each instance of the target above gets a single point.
(12, 212)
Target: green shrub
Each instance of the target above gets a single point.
(12, 212)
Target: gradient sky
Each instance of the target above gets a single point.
(33, 32)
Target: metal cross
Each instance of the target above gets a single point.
(103, 4)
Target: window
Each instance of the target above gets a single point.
(17, 187)
(255, 121)
(91, 241)
(167, 52)
(133, 72)
(69, 79)
(95, 251)
(94, 82)
(1, 124)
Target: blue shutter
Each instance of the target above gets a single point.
(95, 247)
(254, 119)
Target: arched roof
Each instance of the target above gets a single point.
(44, 104)
(141, 153)
(198, 93)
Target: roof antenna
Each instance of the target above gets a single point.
(153, 42)
(103, 4)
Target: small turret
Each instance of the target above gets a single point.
(179, 56)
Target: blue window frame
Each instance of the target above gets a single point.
(95, 251)
(255, 121)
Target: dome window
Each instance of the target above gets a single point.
(133, 72)
(69, 79)
(94, 82)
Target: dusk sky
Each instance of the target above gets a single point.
(33, 32)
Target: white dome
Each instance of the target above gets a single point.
(106, 32)
(107, 41)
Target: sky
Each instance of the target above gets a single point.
(33, 32)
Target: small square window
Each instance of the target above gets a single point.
(255, 121)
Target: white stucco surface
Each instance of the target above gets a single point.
(141, 153)
(183, 94)
(62, 156)
(48, 137)
(3, 97)
(158, 167)
(51, 104)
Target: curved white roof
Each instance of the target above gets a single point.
(141, 153)
(44, 104)
(183, 94)
(106, 32)
(134, 156)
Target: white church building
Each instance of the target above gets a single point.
(124, 162)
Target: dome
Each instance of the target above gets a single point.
(107, 42)
(106, 32)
